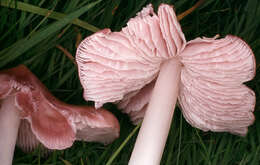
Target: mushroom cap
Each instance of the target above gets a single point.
(212, 95)
(114, 65)
(55, 124)
(121, 67)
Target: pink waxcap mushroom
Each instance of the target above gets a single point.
(112, 65)
(212, 96)
(149, 61)
(53, 123)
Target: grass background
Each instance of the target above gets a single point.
(31, 38)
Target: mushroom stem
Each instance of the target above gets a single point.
(9, 125)
(153, 134)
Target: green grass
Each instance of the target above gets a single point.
(29, 35)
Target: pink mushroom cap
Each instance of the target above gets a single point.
(112, 65)
(212, 94)
(47, 120)
(122, 67)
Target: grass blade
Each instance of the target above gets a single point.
(111, 159)
(25, 44)
(45, 12)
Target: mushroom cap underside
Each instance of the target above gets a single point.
(118, 67)
(212, 95)
(55, 124)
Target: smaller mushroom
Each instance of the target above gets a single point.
(45, 119)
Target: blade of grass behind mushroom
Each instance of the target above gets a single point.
(25, 44)
(47, 13)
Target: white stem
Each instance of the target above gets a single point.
(9, 125)
(153, 134)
